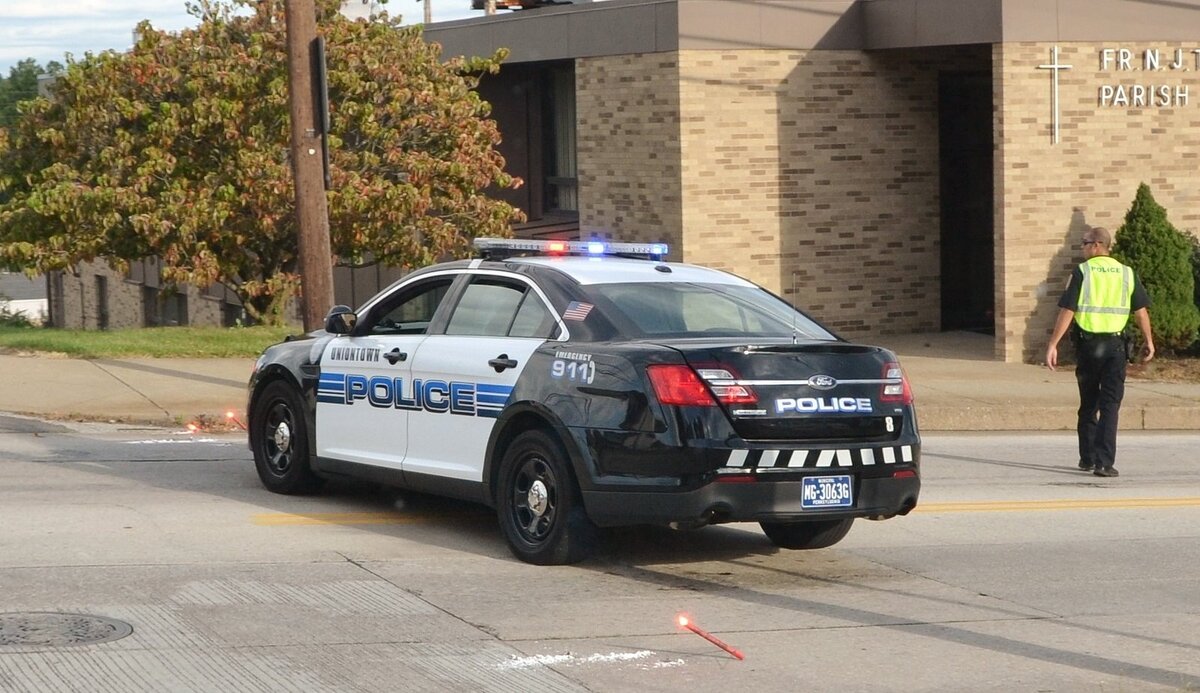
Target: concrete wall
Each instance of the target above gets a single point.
(1047, 193)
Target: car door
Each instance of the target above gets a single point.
(468, 372)
(365, 392)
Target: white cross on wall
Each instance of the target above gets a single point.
(1054, 67)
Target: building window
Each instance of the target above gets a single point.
(562, 186)
(102, 302)
(166, 308)
(174, 309)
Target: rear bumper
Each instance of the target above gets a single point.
(769, 500)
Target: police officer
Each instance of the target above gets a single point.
(1096, 307)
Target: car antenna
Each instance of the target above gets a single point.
(793, 307)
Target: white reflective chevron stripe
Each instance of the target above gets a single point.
(768, 460)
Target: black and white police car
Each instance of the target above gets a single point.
(577, 385)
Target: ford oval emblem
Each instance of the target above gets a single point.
(822, 382)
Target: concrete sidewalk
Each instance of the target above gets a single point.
(958, 387)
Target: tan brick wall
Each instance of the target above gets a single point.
(817, 170)
(813, 169)
(1047, 193)
(627, 141)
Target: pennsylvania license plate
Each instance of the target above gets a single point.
(827, 492)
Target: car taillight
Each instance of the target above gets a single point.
(892, 391)
(726, 388)
(679, 385)
(682, 386)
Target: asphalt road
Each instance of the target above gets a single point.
(1017, 573)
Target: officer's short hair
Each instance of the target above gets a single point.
(1100, 235)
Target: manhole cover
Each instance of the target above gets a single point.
(52, 629)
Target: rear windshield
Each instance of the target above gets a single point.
(700, 310)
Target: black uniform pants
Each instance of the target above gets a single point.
(1100, 373)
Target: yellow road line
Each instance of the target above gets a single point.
(1081, 504)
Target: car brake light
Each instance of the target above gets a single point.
(678, 384)
(893, 391)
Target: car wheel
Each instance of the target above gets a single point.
(540, 508)
(806, 535)
(279, 440)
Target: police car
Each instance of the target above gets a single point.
(580, 385)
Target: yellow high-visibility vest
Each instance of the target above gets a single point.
(1104, 295)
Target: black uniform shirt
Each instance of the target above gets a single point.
(1070, 297)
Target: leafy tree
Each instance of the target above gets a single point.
(1162, 258)
(178, 149)
(21, 85)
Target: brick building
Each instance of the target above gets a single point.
(897, 165)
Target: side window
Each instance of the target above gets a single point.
(411, 310)
(486, 308)
(495, 308)
(533, 318)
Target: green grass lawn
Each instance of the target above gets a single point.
(148, 342)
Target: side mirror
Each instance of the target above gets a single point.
(341, 320)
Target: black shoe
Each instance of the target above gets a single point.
(1106, 471)
(1086, 466)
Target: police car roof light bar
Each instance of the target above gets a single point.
(500, 248)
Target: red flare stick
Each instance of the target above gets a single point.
(229, 415)
(686, 623)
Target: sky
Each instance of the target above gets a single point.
(46, 29)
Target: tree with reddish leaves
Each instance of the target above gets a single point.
(177, 149)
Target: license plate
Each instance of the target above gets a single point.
(827, 492)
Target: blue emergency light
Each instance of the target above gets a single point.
(495, 248)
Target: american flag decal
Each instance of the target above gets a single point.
(577, 310)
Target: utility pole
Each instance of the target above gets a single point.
(312, 212)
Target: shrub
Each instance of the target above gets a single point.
(1162, 257)
(1195, 267)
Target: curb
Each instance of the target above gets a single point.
(936, 418)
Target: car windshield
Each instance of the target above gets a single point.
(684, 309)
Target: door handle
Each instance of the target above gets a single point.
(395, 355)
(502, 362)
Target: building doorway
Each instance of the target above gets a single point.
(965, 132)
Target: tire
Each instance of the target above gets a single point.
(279, 440)
(539, 505)
(806, 535)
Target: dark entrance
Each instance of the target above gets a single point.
(968, 235)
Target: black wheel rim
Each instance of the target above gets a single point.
(535, 495)
(278, 440)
